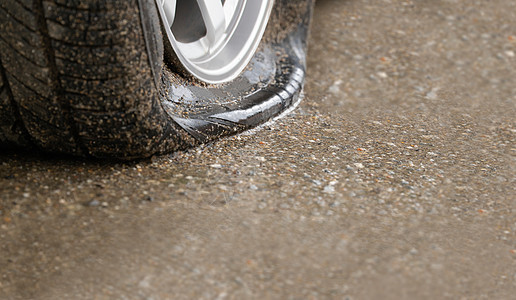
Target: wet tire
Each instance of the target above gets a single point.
(80, 77)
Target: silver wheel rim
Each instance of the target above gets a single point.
(214, 39)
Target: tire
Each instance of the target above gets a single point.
(86, 77)
(79, 78)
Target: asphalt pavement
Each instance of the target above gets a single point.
(395, 178)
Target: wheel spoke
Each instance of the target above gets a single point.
(214, 18)
(196, 50)
(169, 7)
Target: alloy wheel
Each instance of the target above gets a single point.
(214, 39)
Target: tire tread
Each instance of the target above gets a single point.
(81, 78)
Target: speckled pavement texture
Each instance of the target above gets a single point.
(394, 179)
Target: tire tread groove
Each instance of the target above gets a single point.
(19, 53)
(17, 128)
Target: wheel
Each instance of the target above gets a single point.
(214, 40)
(93, 78)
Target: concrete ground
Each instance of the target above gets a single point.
(394, 179)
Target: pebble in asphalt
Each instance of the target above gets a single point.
(394, 179)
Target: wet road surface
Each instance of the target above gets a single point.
(394, 179)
